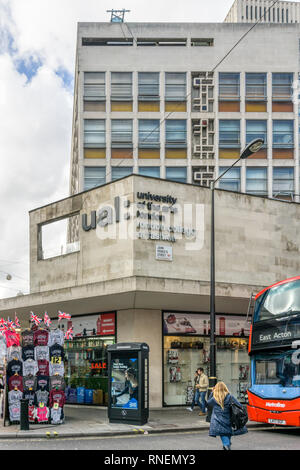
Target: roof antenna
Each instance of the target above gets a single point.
(117, 16)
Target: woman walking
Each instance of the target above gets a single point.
(220, 423)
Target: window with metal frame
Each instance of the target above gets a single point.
(177, 173)
(256, 181)
(256, 86)
(282, 86)
(175, 86)
(121, 133)
(231, 181)
(149, 133)
(94, 133)
(229, 86)
(150, 171)
(283, 134)
(121, 86)
(120, 172)
(94, 86)
(148, 86)
(94, 176)
(256, 129)
(283, 181)
(229, 133)
(175, 133)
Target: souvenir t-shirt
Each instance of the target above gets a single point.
(56, 337)
(56, 415)
(27, 338)
(30, 381)
(40, 337)
(41, 396)
(14, 396)
(14, 352)
(14, 367)
(57, 382)
(30, 367)
(57, 396)
(43, 367)
(42, 382)
(41, 353)
(14, 411)
(42, 414)
(31, 413)
(12, 338)
(56, 351)
(27, 352)
(30, 396)
(15, 381)
(56, 369)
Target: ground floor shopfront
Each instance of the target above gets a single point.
(179, 344)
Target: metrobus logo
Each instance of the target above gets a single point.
(275, 405)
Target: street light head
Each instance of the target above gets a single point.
(252, 147)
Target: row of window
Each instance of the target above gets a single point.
(229, 132)
(175, 86)
(176, 132)
(256, 86)
(279, 15)
(256, 178)
(121, 133)
(96, 176)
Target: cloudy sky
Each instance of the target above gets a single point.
(37, 51)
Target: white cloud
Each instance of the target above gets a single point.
(36, 114)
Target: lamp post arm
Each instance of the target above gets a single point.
(229, 168)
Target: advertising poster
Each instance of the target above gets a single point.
(199, 324)
(103, 324)
(124, 383)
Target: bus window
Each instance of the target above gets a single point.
(278, 300)
(277, 369)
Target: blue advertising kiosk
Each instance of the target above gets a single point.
(128, 383)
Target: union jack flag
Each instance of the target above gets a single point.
(3, 322)
(62, 315)
(17, 322)
(10, 324)
(47, 320)
(69, 333)
(35, 318)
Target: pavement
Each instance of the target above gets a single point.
(92, 421)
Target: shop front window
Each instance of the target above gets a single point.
(187, 348)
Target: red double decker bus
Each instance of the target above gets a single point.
(274, 348)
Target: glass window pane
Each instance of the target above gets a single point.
(148, 85)
(283, 180)
(229, 85)
(94, 176)
(175, 86)
(282, 85)
(255, 130)
(178, 174)
(150, 171)
(256, 180)
(120, 172)
(149, 132)
(121, 85)
(94, 86)
(256, 85)
(283, 134)
(176, 131)
(231, 180)
(94, 133)
(229, 133)
(121, 131)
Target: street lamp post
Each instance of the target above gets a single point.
(251, 148)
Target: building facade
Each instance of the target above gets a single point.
(265, 11)
(140, 272)
(153, 99)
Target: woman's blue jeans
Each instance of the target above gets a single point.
(226, 440)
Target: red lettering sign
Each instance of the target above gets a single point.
(106, 324)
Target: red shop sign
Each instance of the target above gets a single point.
(106, 324)
(98, 365)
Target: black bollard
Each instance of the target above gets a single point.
(24, 422)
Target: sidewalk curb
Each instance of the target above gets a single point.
(125, 433)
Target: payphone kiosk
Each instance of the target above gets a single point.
(128, 383)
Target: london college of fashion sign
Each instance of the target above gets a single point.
(150, 217)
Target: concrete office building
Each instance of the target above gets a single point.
(251, 11)
(151, 99)
(129, 277)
